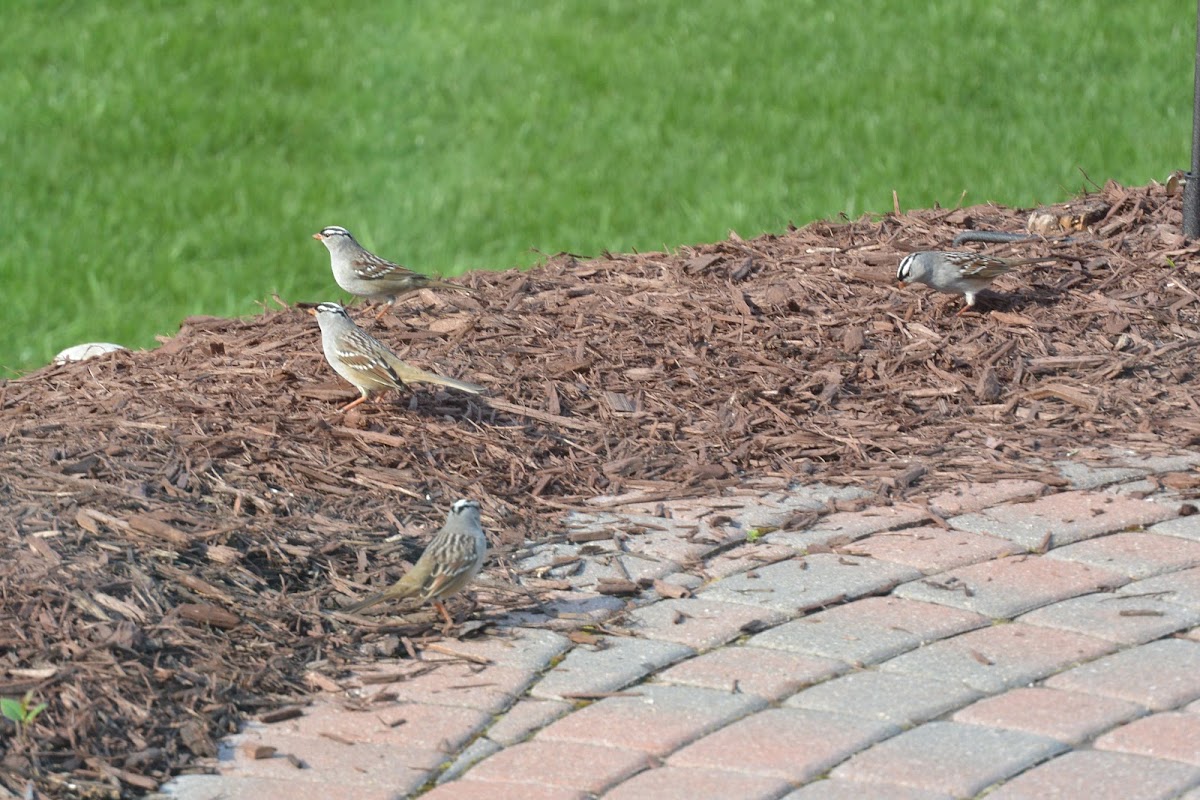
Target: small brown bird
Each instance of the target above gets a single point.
(360, 272)
(450, 562)
(367, 362)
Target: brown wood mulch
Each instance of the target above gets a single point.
(178, 520)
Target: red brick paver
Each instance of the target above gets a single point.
(1098, 775)
(1160, 675)
(1069, 717)
(1172, 735)
(239, 787)
(435, 727)
(932, 550)
(1063, 518)
(978, 496)
(793, 744)
(692, 783)
(497, 790)
(587, 767)
(489, 688)
(655, 719)
(329, 761)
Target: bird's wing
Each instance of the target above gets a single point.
(365, 355)
(985, 268)
(374, 268)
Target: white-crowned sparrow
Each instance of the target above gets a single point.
(450, 562)
(364, 274)
(957, 272)
(367, 362)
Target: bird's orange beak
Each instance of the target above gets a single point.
(312, 311)
(901, 284)
(318, 236)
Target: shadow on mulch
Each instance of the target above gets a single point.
(180, 521)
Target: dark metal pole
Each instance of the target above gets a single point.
(1191, 190)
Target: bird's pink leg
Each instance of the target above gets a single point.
(441, 607)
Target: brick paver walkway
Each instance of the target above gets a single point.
(1006, 638)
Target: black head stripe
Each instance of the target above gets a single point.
(462, 505)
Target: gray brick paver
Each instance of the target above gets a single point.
(1084, 476)
(770, 674)
(1182, 588)
(870, 629)
(843, 527)
(1134, 554)
(528, 715)
(1159, 675)
(1184, 527)
(528, 648)
(619, 662)
(901, 699)
(802, 584)
(1006, 587)
(1124, 620)
(475, 752)
(699, 622)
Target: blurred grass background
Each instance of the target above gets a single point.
(161, 159)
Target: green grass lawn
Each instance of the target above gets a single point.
(164, 159)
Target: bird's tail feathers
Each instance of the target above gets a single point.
(410, 374)
(361, 605)
(434, 283)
